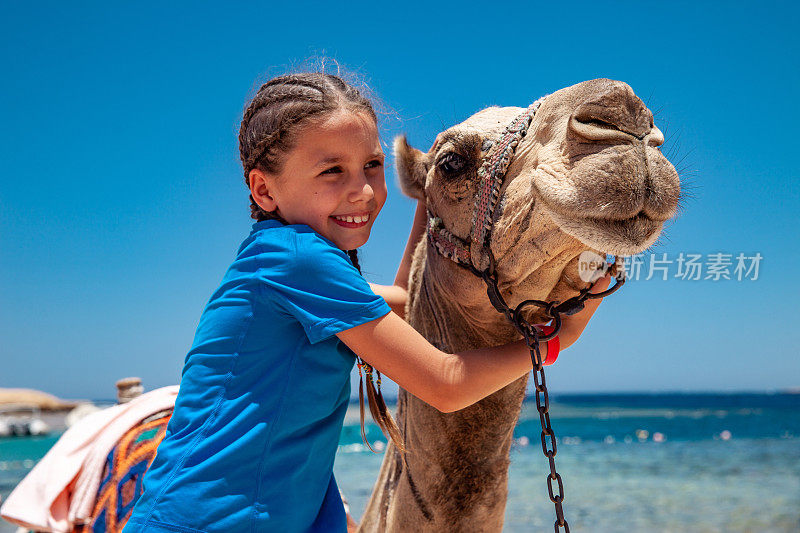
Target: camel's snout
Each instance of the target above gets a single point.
(614, 114)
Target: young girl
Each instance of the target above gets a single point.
(251, 443)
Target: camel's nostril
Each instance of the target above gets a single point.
(614, 113)
(598, 123)
(598, 130)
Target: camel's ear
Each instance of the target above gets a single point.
(412, 168)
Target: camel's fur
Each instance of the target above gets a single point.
(589, 164)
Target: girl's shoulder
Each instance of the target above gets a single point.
(296, 243)
(273, 232)
(310, 279)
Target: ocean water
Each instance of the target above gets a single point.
(643, 462)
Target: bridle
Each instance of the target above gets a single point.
(474, 254)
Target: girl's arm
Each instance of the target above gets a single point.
(450, 382)
(417, 231)
(394, 295)
(397, 294)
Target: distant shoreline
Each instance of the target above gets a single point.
(568, 397)
(793, 391)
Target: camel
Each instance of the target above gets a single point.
(588, 176)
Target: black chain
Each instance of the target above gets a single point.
(532, 337)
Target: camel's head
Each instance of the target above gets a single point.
(588, 175)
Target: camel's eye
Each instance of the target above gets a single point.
(452, 163)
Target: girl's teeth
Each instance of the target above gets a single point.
(357, 220)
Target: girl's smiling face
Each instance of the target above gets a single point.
(332, 180)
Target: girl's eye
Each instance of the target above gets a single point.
(337, 169)
(332, 170)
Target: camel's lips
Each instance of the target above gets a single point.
(627, 236)
(640, 216)
(635, 230)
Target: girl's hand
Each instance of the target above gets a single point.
(573, 325)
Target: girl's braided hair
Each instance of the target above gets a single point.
(271, 124)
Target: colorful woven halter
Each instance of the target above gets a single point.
(473, 252)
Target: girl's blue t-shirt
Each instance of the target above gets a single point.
(251, 443)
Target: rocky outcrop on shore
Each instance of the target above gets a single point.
(43, 400)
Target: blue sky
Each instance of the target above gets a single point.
(122, 201)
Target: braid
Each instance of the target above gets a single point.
(353, 254)
(254, 143)
(377, 405)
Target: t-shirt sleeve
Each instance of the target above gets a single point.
(321, 288)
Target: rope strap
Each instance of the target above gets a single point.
(471, 252)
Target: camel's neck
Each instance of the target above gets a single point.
(449, 306)
(467, 451)
(455, 475)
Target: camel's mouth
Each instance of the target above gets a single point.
(624, 237)
(613, 223)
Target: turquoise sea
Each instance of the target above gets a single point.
(630, 462)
